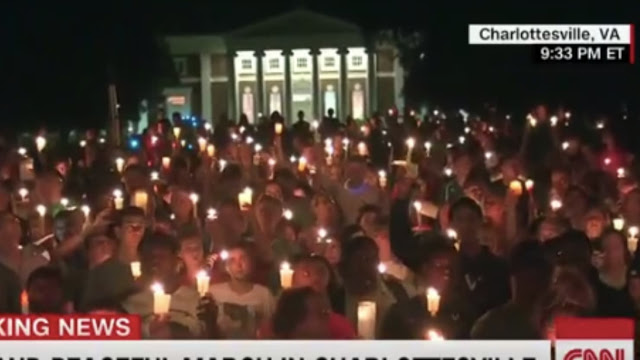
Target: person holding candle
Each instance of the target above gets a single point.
(243, 305)
(191, 254)
(183, 208)
(129, 229)
(611, 284)
(408, 320)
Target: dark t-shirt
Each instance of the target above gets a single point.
(9, 291)
(612, 302)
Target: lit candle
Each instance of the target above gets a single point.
(434, 335)
(136, 269)
(322, 234)
(86, 210)
(224, 255)
(287, 214)
(83, 143)
(212, 214)
(532, 120)
(166, 162)
(118, 201)
(256, 156)
(41, 143)
(607, 161)
(567, 115)
(528, 184)
(452, 234)
(345, 145)
(245, 198)
(161, 301)
(302, 164)
(272, 164)
(22, 151)
(461, 140)
(223, 164)
(618, 224)
(556, 204)
(42, 211)
(155, 176)
(554, 120)
(382, 178)
(120, 164)
(382, 268)
(515, 187)
(418, 206)
(176, 131)
(411, 142)
(64, 202)
(23, 192)
(202, 282)
(140, 199)
(600, 125)
(194, 199)
(448, 172)
(362, 149)
(427, 146)
(367, 320)
(211, 150)
(278, 128)
(286, 275)
(433, 301)
(24, 302)
(621, 173)
(565, 145)
(632, 240)
(202, 144)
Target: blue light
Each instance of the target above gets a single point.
(190, 146)
(134, 143)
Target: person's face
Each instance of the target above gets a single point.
(316, 323)
(101, 248)
(559, 182)
(494, 209)
(322, 207)
(614, 250)
(437, 273)
(10, 231)
(63, 168)
(362, 270)
(192, 253)
(181, 204)
(268, 215)
(594, 223)
(132, 230)
(466, 223)
(45, 296)
(332, 252)
(462, 165)
(60, 228)
(238, 265)
(274, 191)
(368, 223)
(548, 230)
(306, 275)
(160, 263)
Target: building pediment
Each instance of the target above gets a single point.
(300, 22)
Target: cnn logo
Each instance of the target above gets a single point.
(589, 354)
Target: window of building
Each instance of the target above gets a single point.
(181, 66)
(274, 64)
(246, 64)
(330, 62)
(302, 63)
(356, 61)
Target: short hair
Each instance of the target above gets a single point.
(188, 232)
(352, 246)
(136, 168)
(368, 208)
(319, 263)
(129, 211)
(158, 240)
(465, 202)
(529, 256)
(46, 273)
(434, 245)
(290, 311)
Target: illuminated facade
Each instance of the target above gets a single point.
(300, 60)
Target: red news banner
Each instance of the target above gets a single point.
(70, 327)
(576, 339)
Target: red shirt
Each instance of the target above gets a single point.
(339, 329)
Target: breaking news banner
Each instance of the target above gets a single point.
(118, 337)
(596, 44)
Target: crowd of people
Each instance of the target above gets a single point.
(445, 225)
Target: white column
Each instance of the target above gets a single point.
(372, 81)
(259, 83)
(315, 83)
(205, 86)
(288, 107)
(232, 88)
(344, 97)
(398, 83)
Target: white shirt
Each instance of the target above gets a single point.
(240, 315)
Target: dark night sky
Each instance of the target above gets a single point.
(55, 56)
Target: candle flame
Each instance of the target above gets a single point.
(212, 214)
(117, 193)
(224, 254)
(285, 266)
(287, 214)
(382, 268)
(41, 209)
(157, 288)
(633, 231)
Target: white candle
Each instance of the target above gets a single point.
(166, 162)
(382, 178)
(212, 214)
(272, 164)
(618, 224)
(202, 282)
(556, 204)
(382, 268)
(23, 192)
(621, 173)
(427, 146)
(245, 198)
(202, 144)
(411, 142)
(141, 199)
(176, 131)
(86, 210)
(302, 164)
(155, 176)
(632, 240)
(367, 320)
(433, 301)
(278, 128)
(418, 206)
(287, 214)
(64, 202)
(120, 164)
(194, 199)
(161, 301)
(211, 150)
(41, 143)
(286, 275)
(434, 335)
(118, 201)
(42, 211)
(528, 184)
(136, 269)
(554, 120)
(362, 149)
